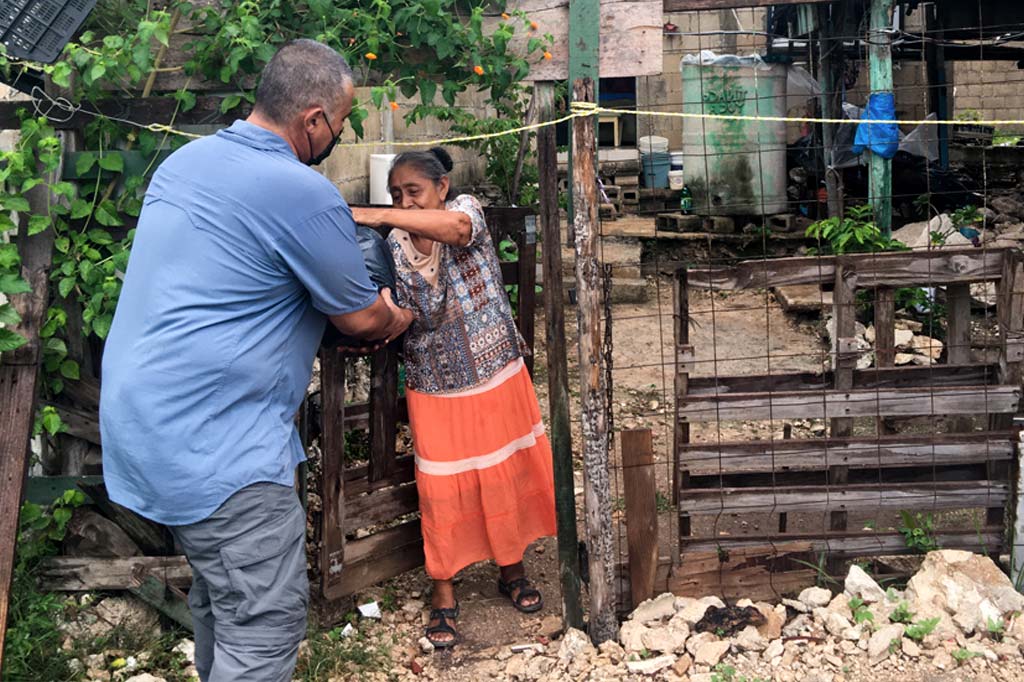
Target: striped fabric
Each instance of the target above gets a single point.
(483, 470)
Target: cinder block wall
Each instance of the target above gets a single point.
(993, 89)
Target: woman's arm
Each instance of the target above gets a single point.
(448, 227)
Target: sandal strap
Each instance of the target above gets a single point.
(525, 590)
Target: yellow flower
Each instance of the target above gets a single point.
(118, 663)
(371, 56)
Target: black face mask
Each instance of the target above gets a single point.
(318, 159)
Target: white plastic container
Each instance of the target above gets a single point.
(677, 160)
(675, 179)
(652, 144)
(380, 166)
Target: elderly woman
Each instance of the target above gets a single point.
(483, 462)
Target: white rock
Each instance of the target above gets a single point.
(910, 648)
(852, 634)
(860, 584)
(538, 666)
(926, 345)
(710, 653)
(980, 649)
(796, 605)
(881, 640)
(650, 666)
(425, 645)
(903, 337)
(833, 621)
(841, 604)
(574, 643)
(775, 649)
(943, 661)
(631, 636)
(903, 358)
(815, 596)
(691, 613)
(798, 625)
(662, 606)
(749, 639)
(697, 640)
(969, 587)
(145, 677)
(665, 640)
(187, 648)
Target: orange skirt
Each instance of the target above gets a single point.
(483, 471)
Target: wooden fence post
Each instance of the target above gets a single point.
(332, 472)
(558, 373)
(843, 317)
(19, 373)
(597, 496)
(641, 511)
(880, 69)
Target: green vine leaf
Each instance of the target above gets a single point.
(15, 203)
(10, 340)
(101, 325)
(79, 209)
(69, 370)
(112, 162)
(101, 237)
(9, 257)
(84, 163)
(106, 214)
(66, 285)
(13, 284)
(8, 315)
(37, 224)
(229, 103)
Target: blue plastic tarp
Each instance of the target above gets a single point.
(881, 138)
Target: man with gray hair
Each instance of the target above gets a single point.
(241, 253)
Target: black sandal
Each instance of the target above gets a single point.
(441, 616)
(525, 591)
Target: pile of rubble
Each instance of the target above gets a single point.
(912, 347)
(958, 611)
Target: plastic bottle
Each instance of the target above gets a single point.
(685, 201)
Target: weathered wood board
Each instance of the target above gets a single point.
(631, 37)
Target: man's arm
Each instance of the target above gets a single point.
(381, 321)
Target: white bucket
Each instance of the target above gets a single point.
(677, 160)
(380, 166)
(675, 179)
(652, 144)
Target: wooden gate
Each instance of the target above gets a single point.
(378, 500)
(840, 473)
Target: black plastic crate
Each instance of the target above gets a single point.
(38, 30)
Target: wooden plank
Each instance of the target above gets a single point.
(958, 332)
(681, 432)
(19, 372)
(383, 417)
(896, 269)
(169, 601)
(630, 38)
(701, 5)
(159, 110)
(639, 489)
(557, 361)
(380, 506)
(357, 481)
(906, 376)
(603, 624)
(1010, 314)
(845, 320)
(381, 556)
(45, 489)
(885, 327)
(854, 543)
(526, 303)
(828, 404)
(749, 457)
(851, 497)
(87, 574)
(151, 537)
(84, 393)
(332, 493)
(880, 73)
(80, 423)
(756, 570)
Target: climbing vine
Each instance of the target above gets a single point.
(428, 51)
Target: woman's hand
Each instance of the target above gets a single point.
(371, 217)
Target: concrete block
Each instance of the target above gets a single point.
(719, 224)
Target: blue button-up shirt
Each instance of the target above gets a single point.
(240, 252)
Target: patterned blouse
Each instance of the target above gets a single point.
(464, 332)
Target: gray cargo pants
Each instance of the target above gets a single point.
(249, 593)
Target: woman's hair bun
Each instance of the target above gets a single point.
(444, 157)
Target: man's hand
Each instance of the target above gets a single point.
(395, 321)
